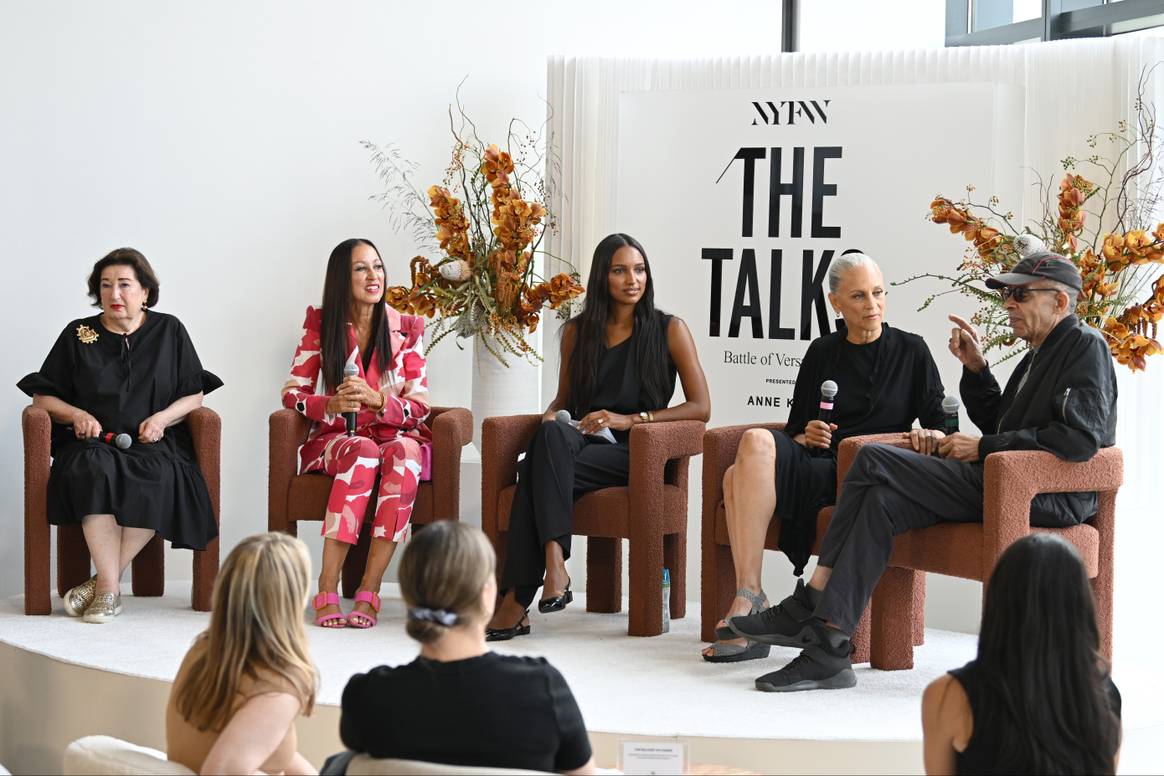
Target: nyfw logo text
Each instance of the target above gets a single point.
(789, 112)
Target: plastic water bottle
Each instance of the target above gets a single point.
(666, 600)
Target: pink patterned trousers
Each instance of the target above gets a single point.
(354, 462)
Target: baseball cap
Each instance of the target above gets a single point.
(1041, 266)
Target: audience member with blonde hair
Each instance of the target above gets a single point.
(249, 676)
(458, 703)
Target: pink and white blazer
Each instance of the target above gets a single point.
(404, 385)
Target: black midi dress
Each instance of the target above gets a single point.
(121, 380)
(883, 386)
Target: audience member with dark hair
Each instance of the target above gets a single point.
(373, 368)
(118, 387)
(458, 703)
(618, 366)
(1038, 698)
(236, 697)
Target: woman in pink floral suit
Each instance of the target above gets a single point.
(389, 396)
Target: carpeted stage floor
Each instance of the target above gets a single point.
(647, 686)
(657, 688)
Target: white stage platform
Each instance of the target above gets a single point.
(113, 679)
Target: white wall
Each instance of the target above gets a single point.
(221, 140)
(860, 25)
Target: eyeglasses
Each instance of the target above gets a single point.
(1021, 293)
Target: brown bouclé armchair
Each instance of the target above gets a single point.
(971, 550)
(650, 512)
(72, 552)
(718, 578)
(292, 497)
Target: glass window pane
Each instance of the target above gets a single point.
(985, 14)
(1155, 31)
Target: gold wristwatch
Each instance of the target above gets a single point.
(646, 417)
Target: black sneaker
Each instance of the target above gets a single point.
(822, 666)
(787, 624)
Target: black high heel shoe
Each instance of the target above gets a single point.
(505, 634)
(556, 603)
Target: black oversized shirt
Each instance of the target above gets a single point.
(122, 379)
(882, 386)
(1066, 406)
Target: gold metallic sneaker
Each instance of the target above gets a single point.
(77, 599)
(104, 608)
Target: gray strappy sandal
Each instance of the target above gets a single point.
(734, 653)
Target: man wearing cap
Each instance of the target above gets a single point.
(1061, 398)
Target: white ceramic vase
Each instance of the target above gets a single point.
(502, 390)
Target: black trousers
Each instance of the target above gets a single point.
(560, 465)
(888, 491)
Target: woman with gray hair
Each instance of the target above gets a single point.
(885, 378)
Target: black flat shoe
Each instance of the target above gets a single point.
(556, 603)
(505, 634)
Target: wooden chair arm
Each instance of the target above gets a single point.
(503, 439)
(452, 429)
(652, 447)
(1013, 477)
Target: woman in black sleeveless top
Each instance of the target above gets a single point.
(1038, 698)
(618, 366)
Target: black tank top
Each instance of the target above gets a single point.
(980, 755)
(619, 387)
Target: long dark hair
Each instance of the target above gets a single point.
(590, 333)
(1044, 697)
(337, 297)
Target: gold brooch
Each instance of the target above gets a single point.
(86, 335)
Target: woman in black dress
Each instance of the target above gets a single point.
(1039, 697)
(886, 379)
(118, 387)
(618, 366)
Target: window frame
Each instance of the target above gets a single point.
(1114, 17)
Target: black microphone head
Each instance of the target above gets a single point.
(123, 441)
(828, 390)
(351, 370)
(951, 405)
(563, 416)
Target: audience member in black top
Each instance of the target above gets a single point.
(619, 360)
(886, 379)
(458, 703)
(1038, 698)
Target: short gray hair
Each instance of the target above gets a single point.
(1071, 292)
(843, 264)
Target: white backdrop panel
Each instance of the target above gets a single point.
(698, 186)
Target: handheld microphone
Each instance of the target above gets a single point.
(950, 407)
(563, 416)
(121, 441)
(350, 370)
(828, 392)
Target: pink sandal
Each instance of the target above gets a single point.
(373, 600)
(328, 599)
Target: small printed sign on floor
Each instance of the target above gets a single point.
(653, 757)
